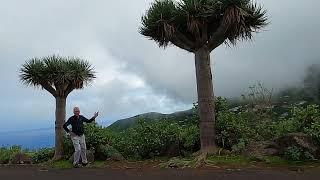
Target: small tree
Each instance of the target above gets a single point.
(200, 26)
(259, 100)
(59, 76)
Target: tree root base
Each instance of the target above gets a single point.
(56, 158)
(201, 156)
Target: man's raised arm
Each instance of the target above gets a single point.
(91, 119)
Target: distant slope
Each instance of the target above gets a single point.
(126, 123)
(279, 108)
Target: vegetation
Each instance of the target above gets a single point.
(254, 120)
(42, 155)
(199, 27)
(235, 130)
(59, 76)
(7, 154)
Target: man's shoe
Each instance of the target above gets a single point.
(76, 165)
(84, 164)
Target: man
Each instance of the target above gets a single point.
(77, 135)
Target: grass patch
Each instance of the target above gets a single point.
(97, 164)
(278, 161)
(228, 160)
(65, 164)
(62, 164)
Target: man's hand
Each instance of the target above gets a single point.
(96, 114)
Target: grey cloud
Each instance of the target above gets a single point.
(106, 33)
(277, 56)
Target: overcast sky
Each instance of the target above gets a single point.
(134, 75)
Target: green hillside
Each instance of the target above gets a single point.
(126, 123)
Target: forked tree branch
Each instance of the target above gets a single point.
(181, 41)
(49, 88)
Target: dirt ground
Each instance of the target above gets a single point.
(43, 173)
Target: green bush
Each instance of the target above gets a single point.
(305, 117)
(312, 121)
(42, 155)
(6, 154)
(221, 105)
(68, 148)
(240, 146)
(233, 127)
(95, 135)
(314, 130)
(190, 137)
(265, 130)
(106, 151)
(301, 119)
(147, 140)
(285, 126)
(294, 153)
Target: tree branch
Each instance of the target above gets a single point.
(181, 41)
(218, 37)
(69, 89)
(49, 88)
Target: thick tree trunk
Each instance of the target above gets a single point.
(60, 120)
(205, 100)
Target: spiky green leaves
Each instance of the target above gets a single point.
(31, 72)
(158, 23)
(197, 21)
(243, 21)
(56, 74)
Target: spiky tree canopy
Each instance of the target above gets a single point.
(58, 75)
(194, 24)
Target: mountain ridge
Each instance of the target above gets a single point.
(125, 123)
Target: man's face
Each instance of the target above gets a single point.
(76, 111)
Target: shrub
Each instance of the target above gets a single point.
(147, 140)
(314, 131)
(106, 151)
(42, 155)
(97, 135)
(301, 119)
(94, 135)
(231, 128)
(304, 117)
(240, 146)
(221, 105)
(294, 153)
(265, 130)
(312, 121)
(190, 137)
(6, 154)
(285, 126)
(68, 148)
